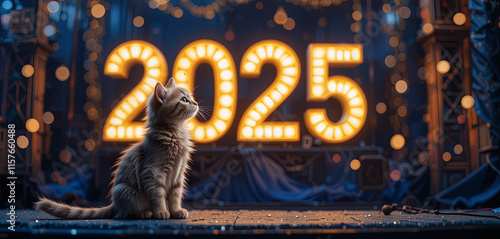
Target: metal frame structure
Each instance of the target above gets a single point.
(449, 42)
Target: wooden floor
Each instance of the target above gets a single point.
(260, 223)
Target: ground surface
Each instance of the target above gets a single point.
(262, 223)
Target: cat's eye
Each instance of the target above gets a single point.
(184, 100)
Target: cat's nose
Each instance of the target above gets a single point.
(195, 103)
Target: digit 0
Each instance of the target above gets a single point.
(225, 82)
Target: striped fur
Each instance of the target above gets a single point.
(149, 180)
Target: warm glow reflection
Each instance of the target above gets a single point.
(253, 126)
(222, 63)
(119, 125)
(321, 86)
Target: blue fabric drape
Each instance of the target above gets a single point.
(257, 178)
(484, 183)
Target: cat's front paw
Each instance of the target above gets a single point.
(161, 214)
(180, 214)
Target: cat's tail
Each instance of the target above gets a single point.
(70, 212)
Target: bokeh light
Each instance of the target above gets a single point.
(404, 12)
(397, 141)
(458, 149)
(355, 164)
(89, 144)
(402, 110)
(22, 142)
(381, 107)
(49, 30)
(443, 66)
(65, 156)
(32, 125)
(401, 86)
(336, 158)
(27, 70)
(459, 18)
(98, 11)
(427, 29)
(289, 24)
(48, 117)
(395, 175)
(467, 102)
(390, 61)
(138, 21)
(280, 16)
(446, 156)
(62, 73)
(53, 6)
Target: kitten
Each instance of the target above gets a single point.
(149, 179)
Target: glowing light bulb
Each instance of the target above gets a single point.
(112, 67)
(226, 75)
(154, 61)
(256, 116)
(111, 132)
(259, 131)
(124, 53)
(220, 125)
(223, 64)
(201, 51)
(261, 108)
(247, 132)
(356, 55)
(226, 87)
(226, 100)
(317, 91)
(224, 113)
(289, 131)
(146, 53)
(135, 50)
(199, 133)
(211, 133)
(278, 131)
(250, 67)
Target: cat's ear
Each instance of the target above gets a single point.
(160, 93)
(170, 83)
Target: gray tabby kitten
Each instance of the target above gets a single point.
(149, 180)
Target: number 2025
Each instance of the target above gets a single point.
(253, 126)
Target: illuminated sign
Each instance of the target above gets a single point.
(119, 125)
(320, 87)
(222, 63)
(253, 125)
